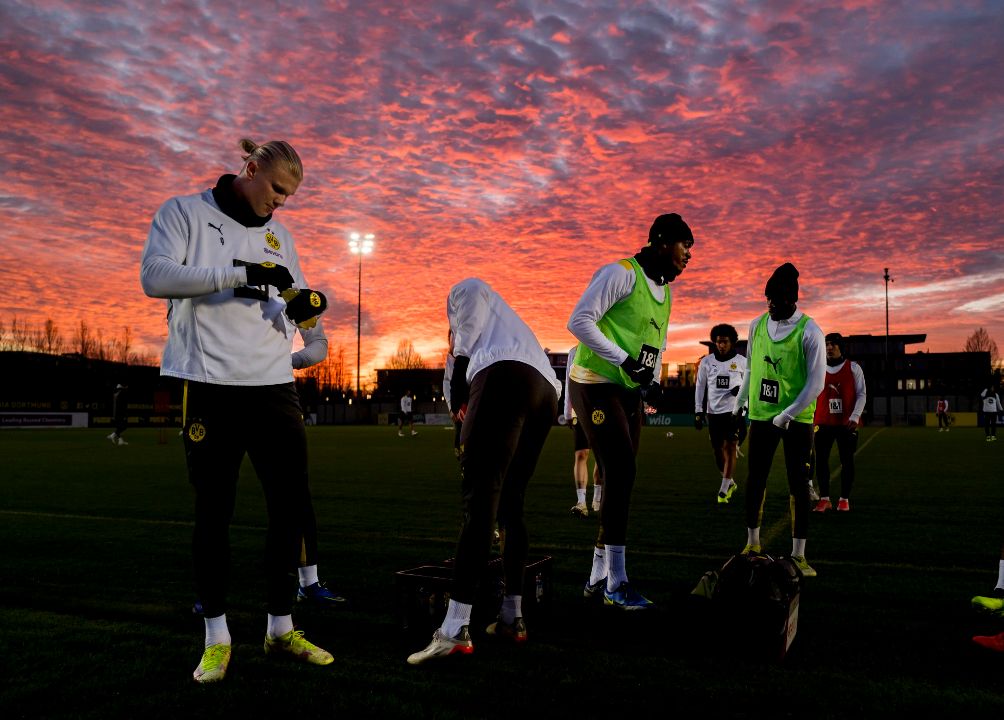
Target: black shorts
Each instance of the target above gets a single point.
(407, 417)
(720, 427)
(581, 442)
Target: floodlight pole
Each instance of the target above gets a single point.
(359, 323)
(360, 245)
(888, 369)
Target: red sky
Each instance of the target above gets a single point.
(523, 142)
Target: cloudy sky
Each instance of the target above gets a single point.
(523, 142)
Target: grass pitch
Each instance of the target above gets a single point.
(96, 586)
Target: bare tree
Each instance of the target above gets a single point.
(83, 340)
(52, 339)
(980, 341)
(405, 357)
(329, 373)
(20, 335)
(124, 346)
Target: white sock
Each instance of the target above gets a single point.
(458, 614)
(798, 547)
(597, 493)
(753, 536)
(580, 496)
(726, 483)
(217, 632)
(1000, 575)
(512, 608)
(599, 571)
(308, 575)
(279, 625)
(824, 497)
(616, 574)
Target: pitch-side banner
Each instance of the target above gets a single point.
(43, 420)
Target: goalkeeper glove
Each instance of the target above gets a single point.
(266, 273)
(303, 307)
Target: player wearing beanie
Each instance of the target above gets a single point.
(620, 322)
(787, 365)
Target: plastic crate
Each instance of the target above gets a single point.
(424, 592)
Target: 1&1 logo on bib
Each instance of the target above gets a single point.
(770, 391)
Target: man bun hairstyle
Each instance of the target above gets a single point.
(723, 329)
(668, 229)
(783, 284)
(271, 153)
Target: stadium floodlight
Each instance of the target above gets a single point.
(360, 245)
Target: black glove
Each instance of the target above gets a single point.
(699, 421)
(304, 306)
(652, 394)
(460, 391)
(638, 372)
(266, 273)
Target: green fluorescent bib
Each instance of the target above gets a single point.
(636, 324)
(778, 372)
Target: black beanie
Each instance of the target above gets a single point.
(783, 284)
(669, 229)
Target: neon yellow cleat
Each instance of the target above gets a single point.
(990, 605)
(803, 565)
(213, 666)
(295, 645)
(751, 550)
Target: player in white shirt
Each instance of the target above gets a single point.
(230, 273)
(719, 377)
(991, 402)
(506, 393)
(580, 465)
(406, 415)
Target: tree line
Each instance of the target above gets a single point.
(19, 335)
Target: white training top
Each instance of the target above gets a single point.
(860, 395)
(568, 410)
(406, 403)
(814, 347)
(447, 377)
(991, 402)
(486, 330)
(213, 336)
(609, 285)
(718, 378)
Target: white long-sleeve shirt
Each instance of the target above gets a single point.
(814, 348)
(569, 411)
(717, 379)
(215, 336)
(608, 286)
(486, 330)
(991, 402)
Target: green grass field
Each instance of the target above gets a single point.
(96, 586)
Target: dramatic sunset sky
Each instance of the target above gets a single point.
(524, 142)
